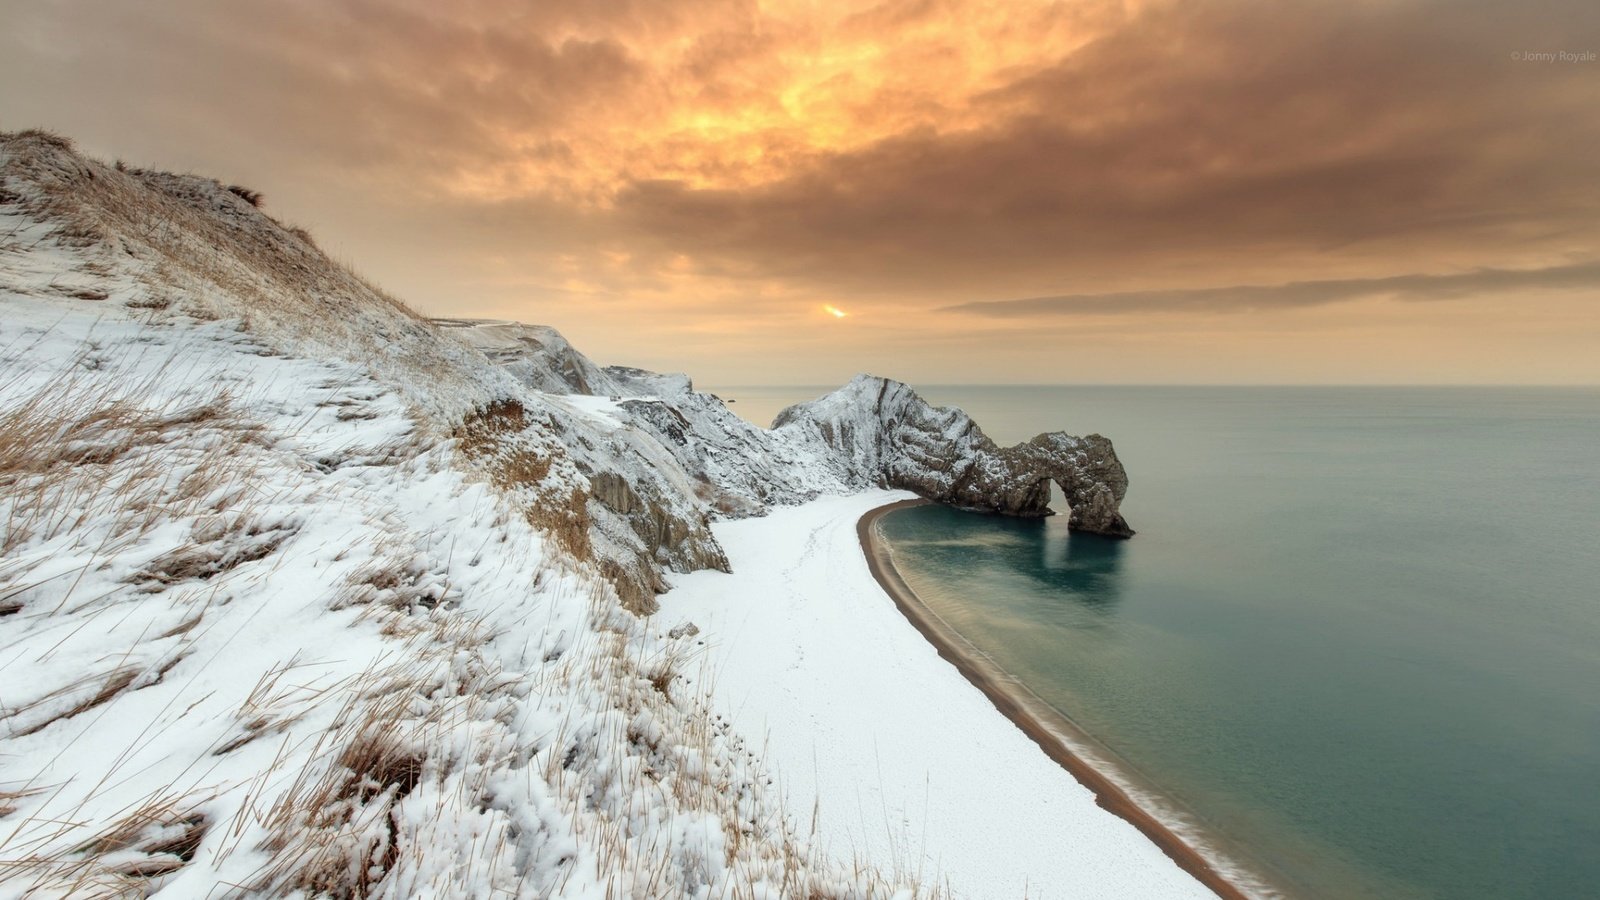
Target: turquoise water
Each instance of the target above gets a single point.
(1358, 633)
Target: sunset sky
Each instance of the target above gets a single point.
(946, 191)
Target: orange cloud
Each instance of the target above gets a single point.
(686, 183)
(739, 97)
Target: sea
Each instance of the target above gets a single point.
(1356, 640)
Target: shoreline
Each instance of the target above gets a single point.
(986, 677)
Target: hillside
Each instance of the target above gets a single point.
(299, 593)
(302, 592)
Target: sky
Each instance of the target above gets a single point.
(941, 191)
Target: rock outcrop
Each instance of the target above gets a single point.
(873, 432)
(896, 439)
(536, 355)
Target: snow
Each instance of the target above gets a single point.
(264, 630)
(907, 763)
(602, 411)
(267, 622)
(337, 585)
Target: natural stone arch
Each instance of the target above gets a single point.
(1091, 478)
(882, 430)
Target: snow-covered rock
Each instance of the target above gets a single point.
(895, 439)
(536, 355)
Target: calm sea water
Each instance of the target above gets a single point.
(1358, 633)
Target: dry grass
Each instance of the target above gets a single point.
(219, 543)
(8, 800)
(109, 686)
(81, 449)
(269, 707)
(158, 836)
(198, 243)
(335, 835)
(254, 198)
(335, 831)
(89, 465)
(49, 138)
(501, 439)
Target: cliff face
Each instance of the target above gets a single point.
(873, 432)
(896, 439)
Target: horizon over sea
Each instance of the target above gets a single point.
(1357, 638)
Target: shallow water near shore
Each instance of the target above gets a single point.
(1358, 634)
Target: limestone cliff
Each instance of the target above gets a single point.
(896, 439)
(873, 432)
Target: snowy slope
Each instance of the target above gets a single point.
(304, 595)
(298, 596)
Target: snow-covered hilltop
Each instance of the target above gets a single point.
(301, 592)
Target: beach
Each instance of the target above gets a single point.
(884, 749)
(1035, 718)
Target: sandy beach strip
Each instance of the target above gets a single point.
(1029, 714)
(883, 750)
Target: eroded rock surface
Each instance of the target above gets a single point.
(893, 437)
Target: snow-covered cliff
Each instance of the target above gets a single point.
(302, 592)
(873, 432)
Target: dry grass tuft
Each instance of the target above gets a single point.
(107, 686)
(165, 834)
(270, 706)
(336, 834)
(80, 449)
(502, 440)
(158, 837)
(8, 800)
(254, 198)
(218, 544)
(303, 234)
(50, 138)
(395, 580)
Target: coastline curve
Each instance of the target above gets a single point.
(1043, 725)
